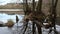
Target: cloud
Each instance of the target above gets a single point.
(3, 2)
(16, 1)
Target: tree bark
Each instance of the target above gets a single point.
(54, 5)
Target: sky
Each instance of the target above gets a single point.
(3, 2)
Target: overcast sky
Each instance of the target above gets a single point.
(3, 2)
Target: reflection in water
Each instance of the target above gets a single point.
(4, 17)
(5, 30)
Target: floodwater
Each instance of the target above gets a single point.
(14, 30)
(5, 17)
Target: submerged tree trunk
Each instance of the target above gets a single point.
(39, 29)
(33, 24)
(39, 12)
(54, 5)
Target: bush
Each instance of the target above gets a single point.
(10, 23)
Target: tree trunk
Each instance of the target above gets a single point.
(39, 29)
(54, 5)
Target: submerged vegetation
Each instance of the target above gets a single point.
(10, 23)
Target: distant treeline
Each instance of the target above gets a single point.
(11, 6)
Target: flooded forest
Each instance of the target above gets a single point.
(29, 16)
